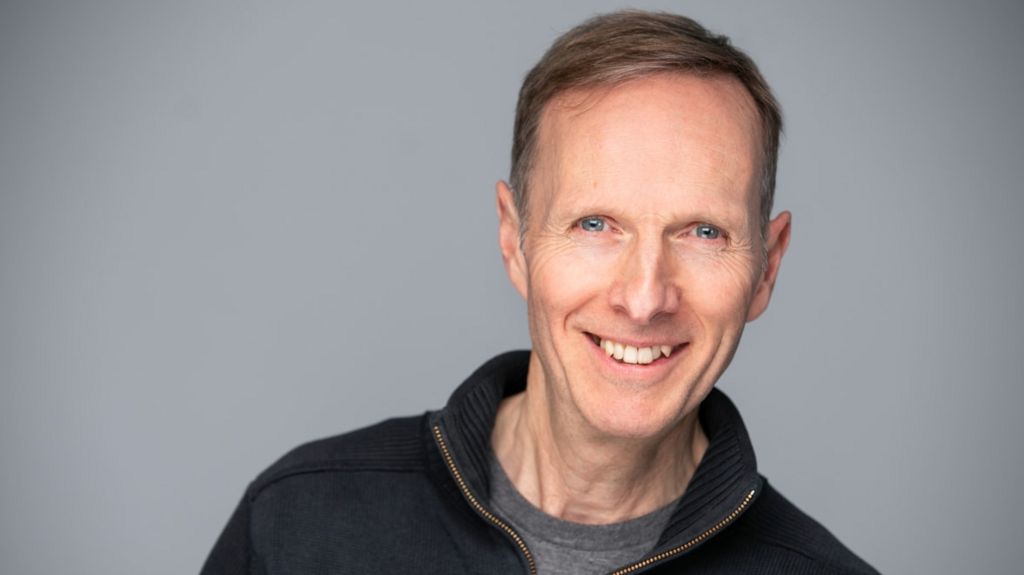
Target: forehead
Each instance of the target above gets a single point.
(668, 133)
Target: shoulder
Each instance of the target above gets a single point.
(343, 504)
(784, 531)
(391, 446)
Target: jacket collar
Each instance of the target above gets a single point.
(724, 483)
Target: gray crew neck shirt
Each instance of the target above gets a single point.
(565, 548)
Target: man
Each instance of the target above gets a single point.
(636, 225)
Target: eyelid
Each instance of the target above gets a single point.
(692, 230)
(604, 219)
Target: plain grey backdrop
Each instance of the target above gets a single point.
(227, 228)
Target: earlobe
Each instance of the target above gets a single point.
(508, 238)
(777, 240)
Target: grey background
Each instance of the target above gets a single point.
(230, 227)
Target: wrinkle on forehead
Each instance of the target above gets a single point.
(593, 147)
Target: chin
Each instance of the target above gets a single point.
(631, 418)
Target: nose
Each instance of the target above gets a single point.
(644, 288)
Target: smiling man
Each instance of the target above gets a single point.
(637, 227)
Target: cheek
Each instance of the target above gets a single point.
(719, 288)
(564, 285)
(565, 276)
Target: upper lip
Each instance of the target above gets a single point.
(635, 342)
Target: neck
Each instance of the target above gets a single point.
(575, 474)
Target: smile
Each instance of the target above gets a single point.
(624, 353)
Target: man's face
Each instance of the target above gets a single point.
(642, 258)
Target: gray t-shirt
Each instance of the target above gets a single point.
(566, 548)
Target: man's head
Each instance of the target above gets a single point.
(617, 47)
(647, 249)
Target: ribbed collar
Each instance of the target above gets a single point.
(727, 473)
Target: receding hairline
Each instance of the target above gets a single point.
(578, 100)
(619, 46)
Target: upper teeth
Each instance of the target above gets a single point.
(631, 354)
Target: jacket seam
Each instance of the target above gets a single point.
(262, 485)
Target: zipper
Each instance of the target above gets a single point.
(692, 542)
(476, 504)
(529, 556)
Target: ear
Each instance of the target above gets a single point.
(508, 238)
(777, 240)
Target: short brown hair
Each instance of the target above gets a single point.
(613, 48)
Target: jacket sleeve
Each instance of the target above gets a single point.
(232, 554)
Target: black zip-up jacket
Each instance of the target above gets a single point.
(410, 496)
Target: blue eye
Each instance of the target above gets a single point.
(707, 232)
(592, 224)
